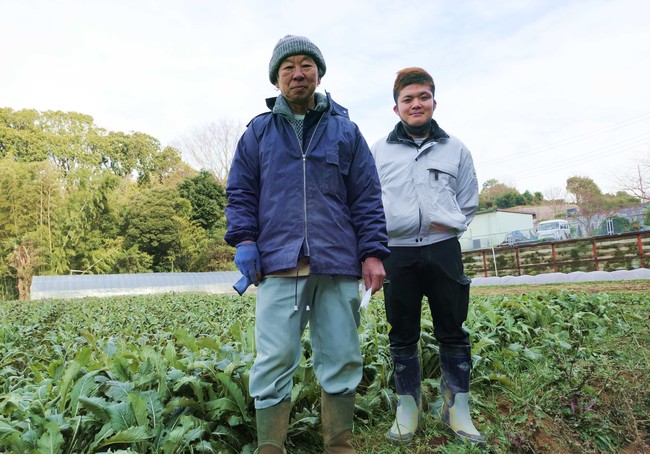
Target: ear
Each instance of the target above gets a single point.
(435, 104)
(395, 110)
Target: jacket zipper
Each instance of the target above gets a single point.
(304, 178)
(437, 172)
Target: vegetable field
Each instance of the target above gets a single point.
(556, 371)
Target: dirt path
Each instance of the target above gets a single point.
(636, 286)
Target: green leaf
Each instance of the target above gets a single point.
(6, 428)
(71, 373)
(105, 432)
(121, 369)
(532, 354)
(139, 408)
(122, 416)
(118, 390)
(154, 405)
(216, 408)
(52, 440)
(98, 406)
(173, 440)
(129, 436)
(85, 386)
(210, 343)
(236, 393)
(503, 379)
(185, 339)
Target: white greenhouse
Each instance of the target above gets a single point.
(77, 286)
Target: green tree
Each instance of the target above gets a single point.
(591, 201)
(20, 135)
(620, 200)
(153, 223)
(30, 194)
(71, 140)
(619, 224)
(509, 199)
(588, 197)
(208, 199)
(492, 189)
(86, 225)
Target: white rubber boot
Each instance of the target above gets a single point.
(407, 420)
(407, 385)
(457, 417)
(456, 366)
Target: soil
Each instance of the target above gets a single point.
(592, 287)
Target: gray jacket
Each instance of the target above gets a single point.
(430, 192)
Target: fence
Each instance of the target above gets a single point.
(607, 253)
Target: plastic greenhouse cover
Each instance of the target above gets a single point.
(76, 286)
(617, 275)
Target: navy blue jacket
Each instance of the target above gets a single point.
(320, 198)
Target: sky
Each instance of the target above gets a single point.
(538, 90)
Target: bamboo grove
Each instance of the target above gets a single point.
(75, 198)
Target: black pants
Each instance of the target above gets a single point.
(435, 271)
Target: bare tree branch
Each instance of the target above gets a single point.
(637, 183)
(212, 146)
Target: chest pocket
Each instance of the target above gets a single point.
(442, 175)
(335, 172)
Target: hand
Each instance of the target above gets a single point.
(373, 274)
(247, 260)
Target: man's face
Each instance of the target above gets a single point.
(415, 104)
(298, 79)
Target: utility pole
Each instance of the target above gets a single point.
(643, 197)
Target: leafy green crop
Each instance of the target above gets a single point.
(169, 374)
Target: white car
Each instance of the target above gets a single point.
(553, 230)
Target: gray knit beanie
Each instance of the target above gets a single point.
(294, 45)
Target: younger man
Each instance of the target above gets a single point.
(430, 195)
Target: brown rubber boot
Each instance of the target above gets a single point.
(272, 427)
(337, 413)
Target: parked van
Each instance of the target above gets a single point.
(553, 230)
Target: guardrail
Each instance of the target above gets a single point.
(626, 251)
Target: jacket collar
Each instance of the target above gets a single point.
(324, 103)
(399, 134)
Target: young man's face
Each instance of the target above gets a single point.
(415, 104)
(298, 79)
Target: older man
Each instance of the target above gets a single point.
(305, 213)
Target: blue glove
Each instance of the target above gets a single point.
(241, 285)
(247, 260)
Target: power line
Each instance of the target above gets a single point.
(602, 152)
(598, 152)
(568, 141)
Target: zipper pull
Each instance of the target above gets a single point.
(436, 173)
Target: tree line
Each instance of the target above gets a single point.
(77, 199)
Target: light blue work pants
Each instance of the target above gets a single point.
(331, 306)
